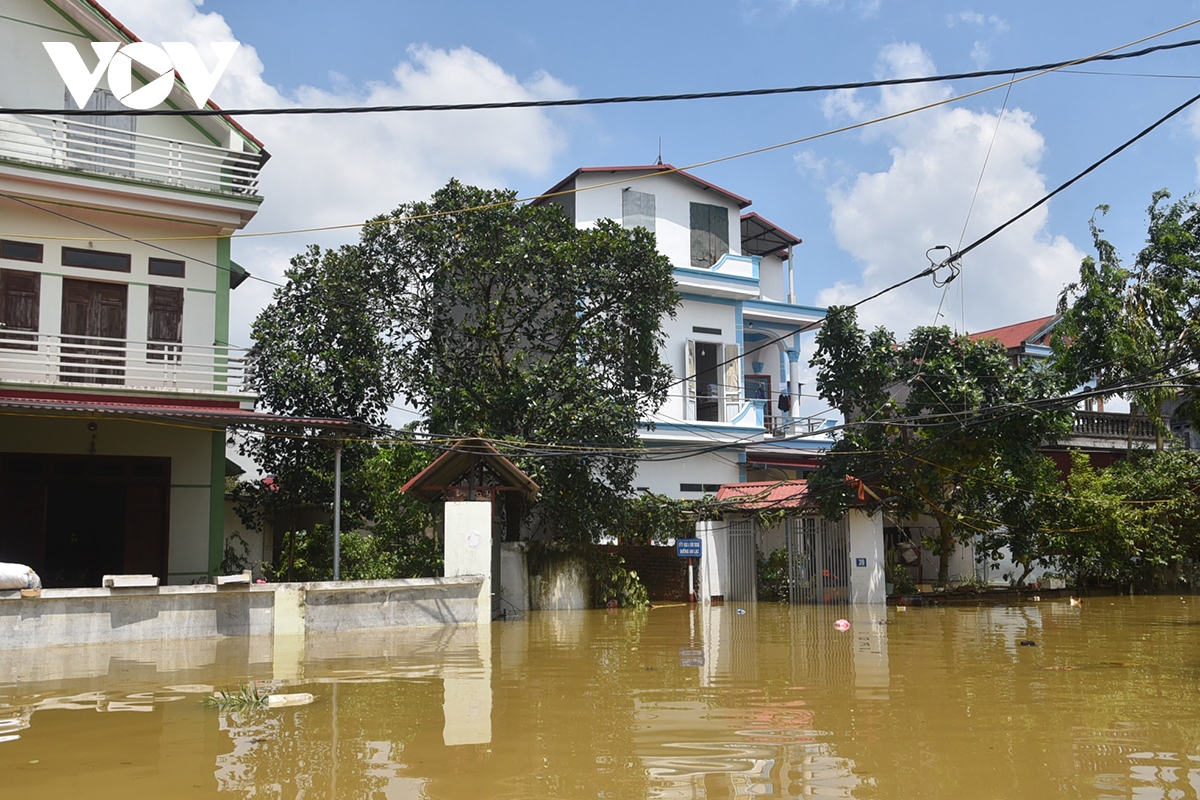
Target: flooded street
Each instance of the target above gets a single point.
(1039, 700)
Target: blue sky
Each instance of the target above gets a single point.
(867, 204)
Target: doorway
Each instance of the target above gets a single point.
(93, 325)
(708, 382)
(75, 519)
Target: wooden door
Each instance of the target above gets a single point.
(93, 325)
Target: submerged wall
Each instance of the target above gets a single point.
(168, 613)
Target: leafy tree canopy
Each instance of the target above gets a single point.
(511, 323)
(924, 417)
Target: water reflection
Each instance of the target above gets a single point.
(1041, 699)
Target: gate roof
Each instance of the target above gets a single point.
(765, 494)
(457, 462)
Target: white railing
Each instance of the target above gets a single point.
(52, 358)
(69, 143)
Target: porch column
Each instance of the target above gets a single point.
(714, 559)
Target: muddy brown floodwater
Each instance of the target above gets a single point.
(1042, 700)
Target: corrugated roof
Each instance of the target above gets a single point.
(765, 494)
(451, 466)
(214, 416)
(667, 168)
(1015, 335)
(761, 237)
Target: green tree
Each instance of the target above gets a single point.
(924, 417)
(517, 325)
(1127, 327)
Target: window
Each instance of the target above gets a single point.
(637, 210)
(166, 267)
(95, 259)
(19, 296)
(710, 234)
(20, 251)
(165, 323)
(710, 488)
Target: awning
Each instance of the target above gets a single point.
(215, 416)
(761, 237)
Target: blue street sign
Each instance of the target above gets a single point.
(687, 548)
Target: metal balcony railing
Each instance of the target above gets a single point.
(72, 144)
(52, 358)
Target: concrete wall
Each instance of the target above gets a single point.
(168, 613)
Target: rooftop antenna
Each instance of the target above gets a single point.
(659, 162)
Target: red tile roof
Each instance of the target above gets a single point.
(765, 494)
(1015, 335)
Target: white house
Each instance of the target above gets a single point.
(734, 343)
(117, 381)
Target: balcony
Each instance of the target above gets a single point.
(51, 359)
(71, 144)
(1109, 427)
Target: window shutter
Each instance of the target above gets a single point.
(19, 295)
(166, 314)
(710, 233)
(19, 291)
(637, 210)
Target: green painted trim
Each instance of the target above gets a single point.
(195, 289)
(120, 36)
(39, 25)
(256, 200)
(224, 265)
(82, 31)
(216, 505)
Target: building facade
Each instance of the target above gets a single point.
(735, 342)
(116, 375)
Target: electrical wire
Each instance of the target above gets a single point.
(1108, 55)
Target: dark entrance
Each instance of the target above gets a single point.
(93, 325)
(75, 519)
(708, 382)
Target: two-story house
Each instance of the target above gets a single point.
(734, 344)
(117, 381)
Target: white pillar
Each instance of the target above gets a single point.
(866, 557)
(468, 547)
(714, 559)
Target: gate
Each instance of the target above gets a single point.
(818, 561)
(743, 562)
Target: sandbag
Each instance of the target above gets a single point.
(18, 576)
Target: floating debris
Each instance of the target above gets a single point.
(842, 625)
(1028, 643)
(281, 700)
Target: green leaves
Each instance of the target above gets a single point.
(927, 415)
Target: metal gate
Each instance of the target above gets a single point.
(743, 566)
(818, 561)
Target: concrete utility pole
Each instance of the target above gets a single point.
(337, 511)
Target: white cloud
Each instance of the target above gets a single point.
(335, 169)
(887, 220)
(981, 54)
(996, 23)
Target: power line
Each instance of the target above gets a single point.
(615, 100)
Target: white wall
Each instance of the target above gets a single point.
(664, 477)
(866, 548)
(672, 198)
(468, 546)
